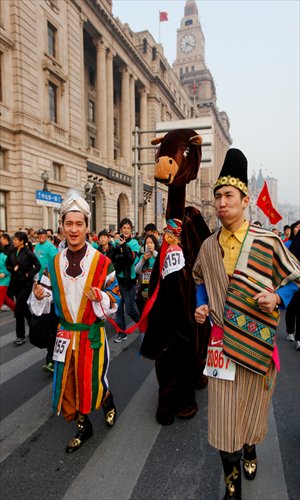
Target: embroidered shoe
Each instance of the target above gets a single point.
(249, 462)
(110, 411)
(84, 432)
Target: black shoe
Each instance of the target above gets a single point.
(110, 411)
(249, 462)
(164, 416)
(186, 411)
(232, 472)
(19, 341)
(84, 432)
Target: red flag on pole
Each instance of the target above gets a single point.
(264, 202)
(163, 16)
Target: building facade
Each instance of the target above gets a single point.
(81, 96)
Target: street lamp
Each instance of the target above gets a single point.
(45, 178)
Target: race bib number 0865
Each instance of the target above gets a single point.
(218, 365)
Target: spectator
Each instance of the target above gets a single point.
(105, 245)
(294, 230)
(45, 251)
(144, 269)
(125, 257)
(286, 233)
(23, 266)
(4, 282)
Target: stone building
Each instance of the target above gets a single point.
(75, 84)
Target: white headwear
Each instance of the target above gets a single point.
(74, 202)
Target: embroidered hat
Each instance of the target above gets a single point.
(75, 203)
(234, 171)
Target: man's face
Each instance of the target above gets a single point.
(103, 239)
(75, 230)
(229, 205)
(42, 238)
(126, 230)
(287, 232)
(3, 240)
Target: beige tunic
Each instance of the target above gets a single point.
(237, 410)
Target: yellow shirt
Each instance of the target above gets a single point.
(231, 244)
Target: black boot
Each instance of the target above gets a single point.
(249, 462)
(110, 411)
(84, 432)
(232, 472)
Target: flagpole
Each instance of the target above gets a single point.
(159, 26)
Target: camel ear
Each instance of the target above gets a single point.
(157, 140)
(196, 140)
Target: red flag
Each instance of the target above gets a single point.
(264, 202)
(163, 16)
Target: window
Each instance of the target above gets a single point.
(193, 68)
(3, 159)
(154, 52)
(2, 211)
(92, 141)
(92, 76)
(145, 46)
(91, 111)
(181, 71)
(57, 172)
(186, 69)
(52, 33)
(52, 97)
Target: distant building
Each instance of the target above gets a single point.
(74, 84)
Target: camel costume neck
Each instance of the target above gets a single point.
(176, 202)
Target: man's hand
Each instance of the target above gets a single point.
(267, 301)
(201, 313)
(94, 294)
(39, 291)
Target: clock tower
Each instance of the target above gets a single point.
(190, 65)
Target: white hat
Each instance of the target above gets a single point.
(75, 203)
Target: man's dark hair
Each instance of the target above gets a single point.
(286, 227)
(126, 221)
(150, 227)
(51, 230)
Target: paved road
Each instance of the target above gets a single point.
(137, 459)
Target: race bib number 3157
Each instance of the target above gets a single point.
(174, 261)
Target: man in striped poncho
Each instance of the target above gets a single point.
(244, 275)
(82, 283)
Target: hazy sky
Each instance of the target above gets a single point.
(252, 51)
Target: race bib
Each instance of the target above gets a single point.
(61, 345)
(146, 276)
(218, 365)
(174, 261)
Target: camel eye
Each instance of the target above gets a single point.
(170, 161)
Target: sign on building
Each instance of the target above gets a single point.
(48, 199)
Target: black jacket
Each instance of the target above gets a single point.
(28, 265)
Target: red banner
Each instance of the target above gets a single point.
(163, 16)
(264, 202)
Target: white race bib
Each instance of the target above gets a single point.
(218, 365)
(61, 345)
(174, 261)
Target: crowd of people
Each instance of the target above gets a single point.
(84, 278)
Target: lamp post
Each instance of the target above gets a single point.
(45, 178)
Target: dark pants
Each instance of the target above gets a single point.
(175, 374)
(22, 310)
(292, 316)
(127, 299)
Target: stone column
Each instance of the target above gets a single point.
(132, 111)
(101, 105)
(144, 123)
(125, 116)
(110, 104)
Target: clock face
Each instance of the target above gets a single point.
(188, 43)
